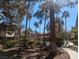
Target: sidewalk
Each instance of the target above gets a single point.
(72, 53)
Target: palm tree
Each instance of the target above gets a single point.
(65, 15)
(27, 19)
(54, 7)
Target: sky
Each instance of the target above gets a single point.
(70, 23)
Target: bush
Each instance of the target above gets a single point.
(9, 44)
(75, 42)
(60, 42)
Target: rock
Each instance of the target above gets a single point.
(62, 55)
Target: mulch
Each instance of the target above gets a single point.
(61, 54)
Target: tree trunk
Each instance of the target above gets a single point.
(44, 29)
(66, 37)
(29, 23)
(77, 21)
(65, 25)
(53, 47)
(25, 38)
(19, 32)
(52, 31)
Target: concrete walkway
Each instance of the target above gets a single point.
(73, 54)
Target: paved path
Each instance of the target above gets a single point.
(72, 53)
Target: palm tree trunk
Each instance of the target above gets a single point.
(29, 23)
(66, 37)
(53, 47)
(52, 30)
(44, 34)
(44, 30)
(19, 32)
(25, 38)
(77, 21)
(65, 25)
(29, 28)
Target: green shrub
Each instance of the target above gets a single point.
(60, 42)
(9, 44)
(75, 42)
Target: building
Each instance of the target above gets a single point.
(8, 32)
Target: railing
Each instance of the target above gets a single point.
(7, 33)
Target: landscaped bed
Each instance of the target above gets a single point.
(36, 54)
